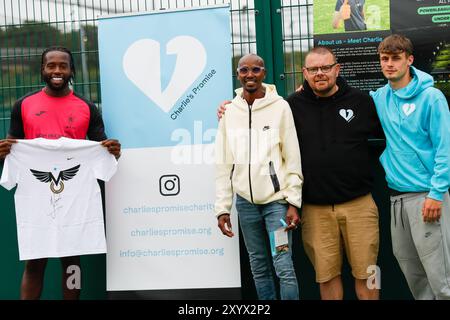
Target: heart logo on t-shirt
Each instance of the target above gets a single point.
(347, 114)
(408, 108)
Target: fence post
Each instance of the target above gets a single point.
(269, 41)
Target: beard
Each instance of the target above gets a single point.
(325, 90)
(322, 90)
(48, 80)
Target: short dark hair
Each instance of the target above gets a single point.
(251, 55)
(61, 49)
(321, 50)
(396, 43)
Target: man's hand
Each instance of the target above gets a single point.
(431, 210)
(345, 10)
(221, 109)
(113, 147)
(299, 89)
(292, 218)
(224, 224)
(5, 147)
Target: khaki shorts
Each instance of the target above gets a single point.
(352, 225)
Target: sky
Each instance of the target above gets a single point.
(15, 11)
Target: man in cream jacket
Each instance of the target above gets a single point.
(258, 158)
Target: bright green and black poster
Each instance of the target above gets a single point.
(354, 28)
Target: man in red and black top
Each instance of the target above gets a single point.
(53, 112)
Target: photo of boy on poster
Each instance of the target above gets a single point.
(352, 13)
(348, 16)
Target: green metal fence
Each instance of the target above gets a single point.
(282, 28)
(297, 38)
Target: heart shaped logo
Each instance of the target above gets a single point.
(408, 108)
(142, 65)
(347, 114)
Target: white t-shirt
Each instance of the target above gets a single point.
(58, 200)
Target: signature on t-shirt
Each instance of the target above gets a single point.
(55, 201)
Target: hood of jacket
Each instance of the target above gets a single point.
(270, 97)
(419, 83)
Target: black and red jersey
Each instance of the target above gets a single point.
(39, 115)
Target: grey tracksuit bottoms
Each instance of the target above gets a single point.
(422, 248)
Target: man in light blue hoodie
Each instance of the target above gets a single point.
(416, 120)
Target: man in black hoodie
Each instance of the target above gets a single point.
(334, 122)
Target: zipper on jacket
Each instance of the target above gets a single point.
(273, 177)
(231, 177)
(250, 150)
(231, 173)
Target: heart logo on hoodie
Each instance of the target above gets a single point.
(142, 65)
(347, 114)
(408, 108)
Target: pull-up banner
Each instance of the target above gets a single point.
(162, 75)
